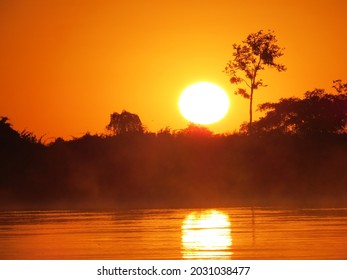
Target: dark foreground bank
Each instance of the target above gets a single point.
(151, 170)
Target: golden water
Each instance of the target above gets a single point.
(232, 233)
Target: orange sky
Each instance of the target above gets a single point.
(67, 65)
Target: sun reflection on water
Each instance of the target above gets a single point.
(206, 235)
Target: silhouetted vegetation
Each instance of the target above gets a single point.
(295, 157)
(195, 130)
(317, 113)
(124, 122)
(257, 51)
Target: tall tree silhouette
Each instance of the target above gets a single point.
(250, 57)
(124, 122)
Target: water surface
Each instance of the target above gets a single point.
(231, 233)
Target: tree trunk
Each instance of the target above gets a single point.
(250, 112)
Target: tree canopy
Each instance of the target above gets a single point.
(9, 135)
(195, 130)
(318, 112)
(6, 130)
(124, 122)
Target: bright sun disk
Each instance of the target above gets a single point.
(203, 103)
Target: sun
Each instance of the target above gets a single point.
(203, 103)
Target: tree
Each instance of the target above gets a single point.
(340, 87)
(253, 55)
(195, 130)
(125, 123)
(8, 135)
(317, 113)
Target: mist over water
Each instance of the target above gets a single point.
(150, 171)
(229, 233)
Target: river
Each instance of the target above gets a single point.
(229, 233)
